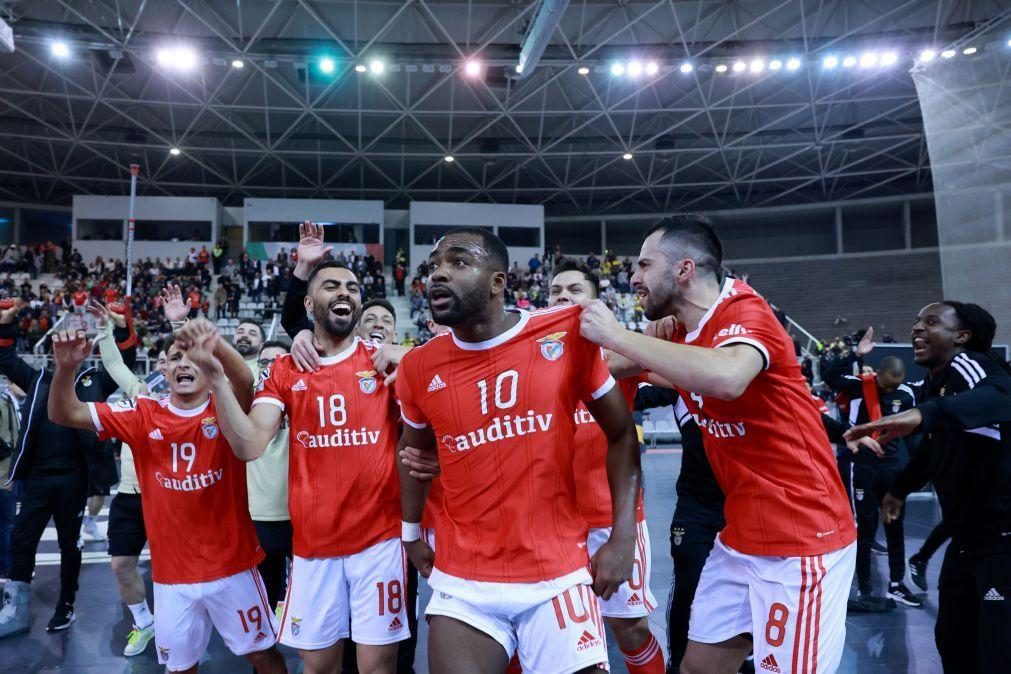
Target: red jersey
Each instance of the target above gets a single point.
(593, 493)
(194, 300)
(80, 297)
(343, 489)
(768, 448)
(502, 415)
(111, 296)
(195, 508)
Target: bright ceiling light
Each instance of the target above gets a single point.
(849, 61)
(174, 152)
(868, 59)
(739, 67)
(793, 64)
(519, 67)
(634, 69)
(1009, 43)
(688, 67)
(327, 65)
(584, 71)
(449, 159)
(617, 69)
(377, 67)
(947, 53)
(652, 68)
(830, 62)
(775, 64)
(60, 49)
(927, 55)
(177, 58)
(969, 51)
(889, 58)
(360, 68)
(626, 156)
(722, 68)
(757, 66)
(472, 68)
(238, 64)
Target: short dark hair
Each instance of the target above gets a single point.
(380, 302)
(892, 364)
(497, 251)
(167, 343)
(695, 230)
(275, 344)
(328, 264)
(568, 264)
(250, 321)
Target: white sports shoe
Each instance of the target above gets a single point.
(90, 530)
(138, 640)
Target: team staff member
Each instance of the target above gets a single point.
(870, 476)
(964, 408)
(53, 463)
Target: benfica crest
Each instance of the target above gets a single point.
(209, 427)
(367, 381)
(896, 404)
(552, 347)
(677, 534)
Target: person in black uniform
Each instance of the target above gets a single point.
(868, 476)
(54, 464)
(964, 408)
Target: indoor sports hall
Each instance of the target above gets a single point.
(491, 336)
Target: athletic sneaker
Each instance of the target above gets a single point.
(137, 640)
(901, 594)
(63, 617)
(878, 549)
(918, 572)
(90, 530)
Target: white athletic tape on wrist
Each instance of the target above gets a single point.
(410, 531)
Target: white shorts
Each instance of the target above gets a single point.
(236, 606)
(634, 598)
(794, 607)
(554, 627)
(361, 596)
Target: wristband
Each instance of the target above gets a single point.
(177, 325)
(410, 531)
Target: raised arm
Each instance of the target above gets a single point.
(612, 565)
(70, 349)
(12, 365)
(115, 369)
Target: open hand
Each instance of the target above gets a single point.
(198, 339)
(424, 463)
(866, 343)
(172, 303)
(887, 428)
(866, 442)
(306, 351)
(71, 348)
(311, 249)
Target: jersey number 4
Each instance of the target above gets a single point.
(505, 390)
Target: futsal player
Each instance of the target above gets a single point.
(778, 577)
(203, 546)
(497, 396)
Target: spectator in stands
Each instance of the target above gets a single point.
(399, 276)
(194, 299)
(535, 263)
(217, 254)
(203, 257)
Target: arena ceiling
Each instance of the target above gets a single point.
(73, 120)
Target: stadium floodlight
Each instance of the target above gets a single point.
(177, 58)
(1009, 43)
(722, 68)
(174, 152)
(775, 64)
(652, 68)
(739, 66)
(449, 159)
(849, 61)
(584, 71)
(927, 55)
(519, 68)
(793, 64)
(60, 49)
(948, 53)
(969, 51)
(626, 156)
(360, 68)
(634, 69)
(688, 67)
(889, 58)
(377, 67)
(327, 65)
(868, 59)
(618, 69)
(830, 62)
(238, 64)
(472, 68)
(758, 65)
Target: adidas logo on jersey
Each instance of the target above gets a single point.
(436, 384)
(734, 329)
(299, 385)
(156, 434)
(769, 663)
(260, 636)
(635, 600)
(395, 625)
(587, 641)
(993, 595)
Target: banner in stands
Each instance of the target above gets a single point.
(259, 250)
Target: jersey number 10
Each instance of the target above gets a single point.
(510, 379)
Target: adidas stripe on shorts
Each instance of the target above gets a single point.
(362, 596)
(794, 607)
(185, 613)
(633, 599)
(554, 626)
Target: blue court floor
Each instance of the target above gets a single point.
(893, 643)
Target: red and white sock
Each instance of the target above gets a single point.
(647, 659)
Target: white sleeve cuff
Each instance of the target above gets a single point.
(94, 417)
(269, 401)
(750, 342)
(604, 388)
(412, 424)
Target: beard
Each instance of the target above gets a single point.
(244, 347)
(461, 309)
(334, 325)
(659, 302)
